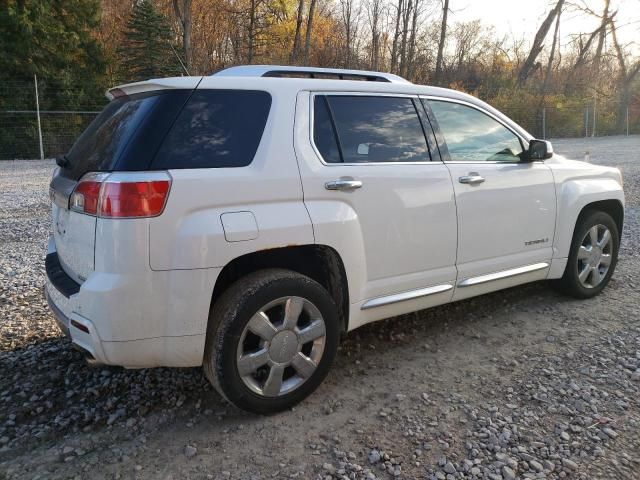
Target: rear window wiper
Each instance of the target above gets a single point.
(63, 161)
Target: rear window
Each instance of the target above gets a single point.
(216, 129)
(126, 134)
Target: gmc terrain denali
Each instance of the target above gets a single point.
(245, 220)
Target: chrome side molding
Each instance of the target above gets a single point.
(503, 274)
(404, 296)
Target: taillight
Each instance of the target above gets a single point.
(116, 196)
(135, 199)
(84, 198)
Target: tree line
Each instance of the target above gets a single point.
(81, 47)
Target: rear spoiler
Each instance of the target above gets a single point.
(186, 83)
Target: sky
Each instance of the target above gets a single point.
(521, 18)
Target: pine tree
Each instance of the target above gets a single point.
(55, 41)
(146, 49)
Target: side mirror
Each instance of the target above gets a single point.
(539, 150)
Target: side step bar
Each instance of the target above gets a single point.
(469, 282)
(401, 297)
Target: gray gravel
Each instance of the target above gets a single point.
(523, 383)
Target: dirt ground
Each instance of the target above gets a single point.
(523, 383)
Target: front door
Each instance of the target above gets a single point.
(374, 194)
(506, 207)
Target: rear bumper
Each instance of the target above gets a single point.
(68, 320)
(135, 320)
(61, 319)
(66, 285)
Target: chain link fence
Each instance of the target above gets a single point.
(42, 119)
(597, 119)
(31, 128)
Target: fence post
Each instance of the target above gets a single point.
(586, 122)
(544, 123)
(35, 81)
(627, 120)
(593, 129)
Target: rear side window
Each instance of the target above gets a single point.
(216, 129)
(376, 129)
(126, 134)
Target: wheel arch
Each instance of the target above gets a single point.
(318, 262)
(612, 207)
(577, 196)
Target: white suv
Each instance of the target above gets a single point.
(245, 220)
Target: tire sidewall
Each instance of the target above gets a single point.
(230, 331)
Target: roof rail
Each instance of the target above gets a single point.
(283, 71)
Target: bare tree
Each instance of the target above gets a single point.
(350, 15)
(551, 58)
(251, 33)
(183, 15)
(585, 47)
(443, 36)
(374, 12)
(601, 36)
(296, 39)
(307, 34)
(627, 76)
(396, 35)
(538, 43)
(410, 58)
(466, 36)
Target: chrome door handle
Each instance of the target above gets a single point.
(343, 184)
(471, 179)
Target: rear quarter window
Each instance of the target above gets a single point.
(216, 129)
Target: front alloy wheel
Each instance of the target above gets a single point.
(594, 256)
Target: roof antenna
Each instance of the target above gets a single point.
(180, 60)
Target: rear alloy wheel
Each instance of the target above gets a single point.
(271, 341)
(593, 255)
(281, 346)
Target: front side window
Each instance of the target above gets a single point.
(474, 136)
(368, 129)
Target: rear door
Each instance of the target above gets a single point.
(506, 207)
(374, 193)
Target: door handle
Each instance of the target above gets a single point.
(472, 179)
(343, 184)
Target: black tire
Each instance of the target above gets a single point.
(230, 315)
(570, 283)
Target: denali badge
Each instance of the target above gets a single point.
(534, 242)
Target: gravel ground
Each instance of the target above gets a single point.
(523, 383)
